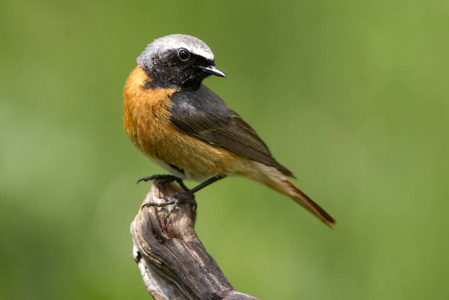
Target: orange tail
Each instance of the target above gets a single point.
(274, 179)
(301, 198)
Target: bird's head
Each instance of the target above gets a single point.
(178, 61)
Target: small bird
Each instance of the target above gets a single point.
(188, 130)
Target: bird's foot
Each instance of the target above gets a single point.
(178, 198)
(163, 179)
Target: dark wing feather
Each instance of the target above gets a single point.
(204, 115)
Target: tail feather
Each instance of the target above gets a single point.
(301, 198)
(275, 179)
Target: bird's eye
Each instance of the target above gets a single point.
(183, 54)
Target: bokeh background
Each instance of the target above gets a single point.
(352, 96)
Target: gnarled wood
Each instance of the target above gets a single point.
(173, 262)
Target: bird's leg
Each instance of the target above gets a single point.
(178, 198)
(186, 197)
(204, 184)
(165, 179)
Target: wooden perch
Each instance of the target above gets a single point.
(173, 262)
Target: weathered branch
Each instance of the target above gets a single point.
(171, 258)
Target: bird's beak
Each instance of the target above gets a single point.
(212, 70)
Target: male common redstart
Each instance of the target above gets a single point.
(187, 129)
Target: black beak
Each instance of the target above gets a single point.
(212, 70)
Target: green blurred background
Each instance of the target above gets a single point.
(352, 96)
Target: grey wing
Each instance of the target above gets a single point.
(204, 115)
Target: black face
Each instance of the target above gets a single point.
(178, 68)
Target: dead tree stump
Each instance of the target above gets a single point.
(172, 260)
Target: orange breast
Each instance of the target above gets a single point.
(146, 119)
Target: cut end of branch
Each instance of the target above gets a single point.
(172, 261)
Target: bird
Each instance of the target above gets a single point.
(183, 126)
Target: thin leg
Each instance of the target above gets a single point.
(179, 198)
(204, 184)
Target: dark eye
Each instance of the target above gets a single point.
(183, 54)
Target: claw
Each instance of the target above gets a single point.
(178, 198)
(186, 197)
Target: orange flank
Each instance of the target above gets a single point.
(146, 121)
